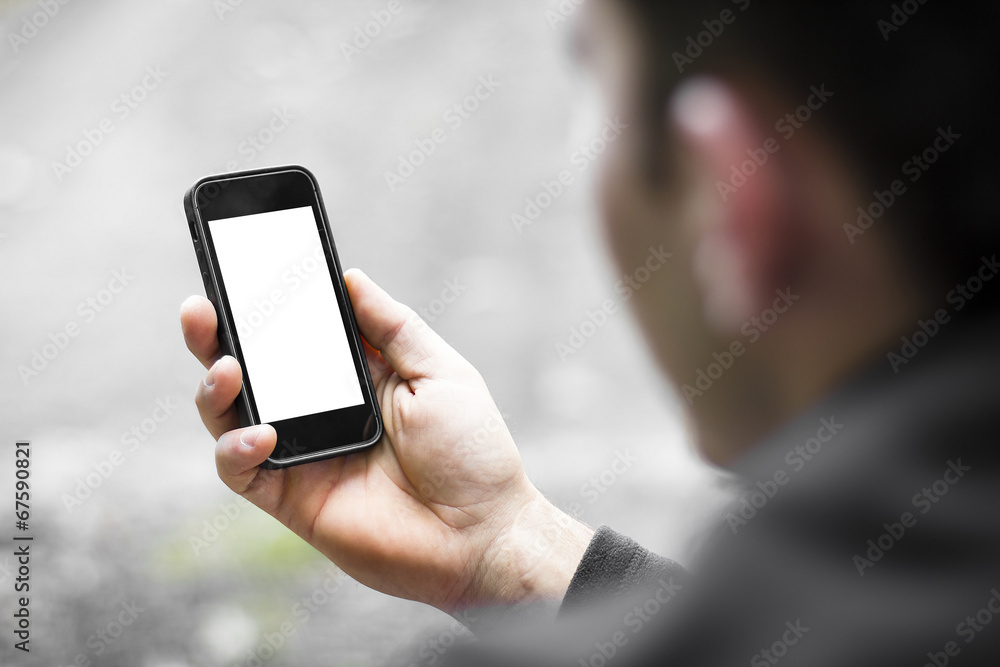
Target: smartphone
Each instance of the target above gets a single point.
(271, 269)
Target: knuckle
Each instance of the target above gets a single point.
(405, 335)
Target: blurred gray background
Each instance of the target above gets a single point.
(150, 536)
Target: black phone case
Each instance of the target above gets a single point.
(210, 277)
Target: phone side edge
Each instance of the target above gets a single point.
(197, 229)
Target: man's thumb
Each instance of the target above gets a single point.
(405, 341)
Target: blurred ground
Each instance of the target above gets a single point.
(200, 79)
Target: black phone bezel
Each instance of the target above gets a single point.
(303, 439)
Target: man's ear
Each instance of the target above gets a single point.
(742, 237)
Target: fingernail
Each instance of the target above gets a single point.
(250, 437)
(209, 380)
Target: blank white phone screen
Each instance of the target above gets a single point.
(287, 317)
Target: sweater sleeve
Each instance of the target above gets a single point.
(615, 566)
(613, 571)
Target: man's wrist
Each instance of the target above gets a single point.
(534, 556)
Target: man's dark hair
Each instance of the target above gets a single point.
(899, 71)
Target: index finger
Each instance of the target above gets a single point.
(200, 326)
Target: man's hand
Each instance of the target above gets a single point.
(440, 510)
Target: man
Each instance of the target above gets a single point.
(824, 174)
